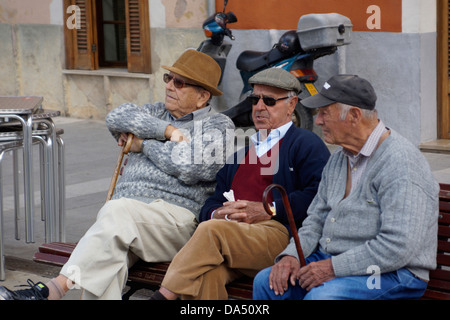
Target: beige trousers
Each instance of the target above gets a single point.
(124, 231)
(221, 251)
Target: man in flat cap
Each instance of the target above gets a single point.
(156, 205)
(371, 230)
(236, 236)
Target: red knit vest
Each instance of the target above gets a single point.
(248, 182)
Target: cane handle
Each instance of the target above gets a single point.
(290, 216)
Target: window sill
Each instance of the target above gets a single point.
(109, 72)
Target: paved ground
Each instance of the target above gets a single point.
(91, 155)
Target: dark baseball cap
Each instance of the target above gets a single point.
(348, 89)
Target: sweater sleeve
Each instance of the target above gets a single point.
(199, 159)
(144, 122)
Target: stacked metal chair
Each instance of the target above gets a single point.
(52, 181)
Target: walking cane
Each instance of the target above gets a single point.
(292, 225)
(125, 149)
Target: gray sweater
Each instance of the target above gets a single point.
(179, 173)
(388, 221)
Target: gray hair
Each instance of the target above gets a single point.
(291, 94)
(367, 114)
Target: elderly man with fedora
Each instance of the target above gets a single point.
(371, 230)
(236, 236)
(157, 201)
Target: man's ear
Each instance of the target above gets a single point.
(355, 114)
(204, 96)
(293, 102)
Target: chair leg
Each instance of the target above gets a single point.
(62, 189)
(2, 252)
(16, 192)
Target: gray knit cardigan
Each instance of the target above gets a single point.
(179, 173)
(388, 222)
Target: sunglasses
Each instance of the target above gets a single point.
(178, 83)
(268, 101)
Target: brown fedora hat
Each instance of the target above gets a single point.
(199, 68)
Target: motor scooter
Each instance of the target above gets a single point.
(215, 28)
(321, 35)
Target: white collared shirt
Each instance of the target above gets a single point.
(275, 135)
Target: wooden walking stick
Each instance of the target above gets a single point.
(291, 220)
(125, 149)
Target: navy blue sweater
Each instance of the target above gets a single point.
(302, 158)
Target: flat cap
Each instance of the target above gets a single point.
(277, 77)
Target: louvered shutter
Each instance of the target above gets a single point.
(444, 69)
(80, 43)
(138, 36)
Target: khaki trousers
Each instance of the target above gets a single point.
(124, 231)
(221, 251)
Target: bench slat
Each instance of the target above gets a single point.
(57, 248)
(440, 274)
(51, 259)
(444, 206)
(443, 246)
(443, 259)
(435, 295)
(442, 285)
(444, 231)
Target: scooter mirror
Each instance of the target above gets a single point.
(220, 19)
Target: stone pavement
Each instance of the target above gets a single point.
(91, 156)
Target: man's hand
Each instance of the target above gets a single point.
(283, 271)
(309, 276)
(315, 273)
(174, 134)
(242, 211)
(136, 143)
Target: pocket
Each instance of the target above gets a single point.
(409, 280)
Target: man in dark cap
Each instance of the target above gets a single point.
(371, 230)
(156, 205)
(236, 236)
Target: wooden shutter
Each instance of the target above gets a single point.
(444, 69)
(81, 43)
(138, 36)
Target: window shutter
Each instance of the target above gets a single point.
(443, 69)
(138, 36)
(81, 43)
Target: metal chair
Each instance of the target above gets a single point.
(52, 179)
(4, 147)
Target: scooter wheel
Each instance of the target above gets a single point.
(302, 117)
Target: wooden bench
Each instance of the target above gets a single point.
(150, 275)
(439, 284)
(141, 275)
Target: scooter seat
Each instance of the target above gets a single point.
(250, 61)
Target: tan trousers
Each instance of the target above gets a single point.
(221, 251)
(124, 231)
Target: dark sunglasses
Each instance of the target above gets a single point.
(268, 101)
(178, 83)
